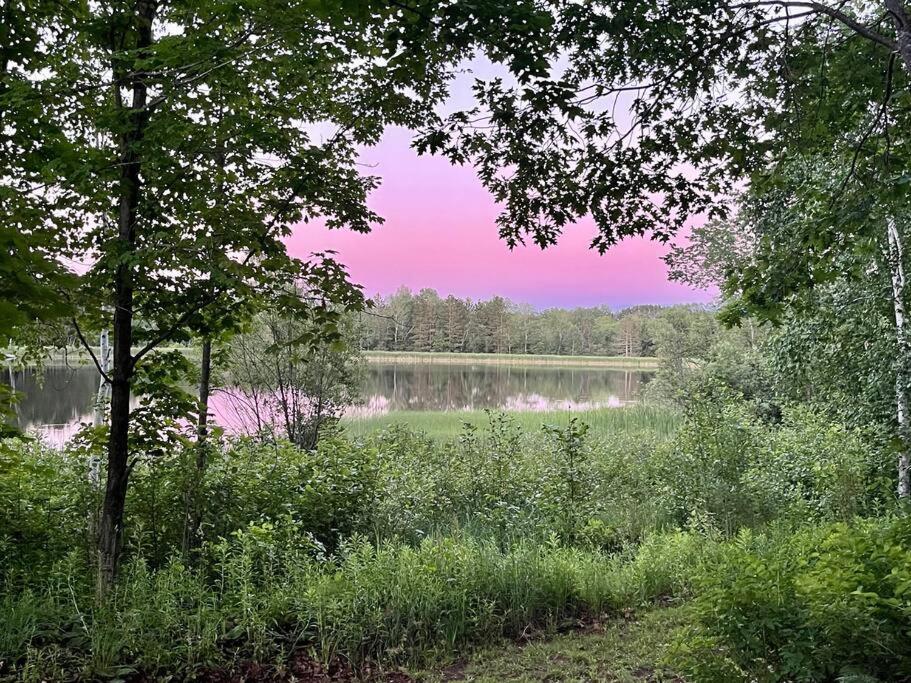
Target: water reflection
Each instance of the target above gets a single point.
(55, 401)
(435, 387)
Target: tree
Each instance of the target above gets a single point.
(492, 329)
(283, 383)
(426, 327)
(146, 106)
(657, 111)
(399, 309)
(713, 252)
(456, 323)
(629, 341)
(32, 282)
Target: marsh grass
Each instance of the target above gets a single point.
(653, 419)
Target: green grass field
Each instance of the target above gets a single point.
(445, 425)
(415, 357)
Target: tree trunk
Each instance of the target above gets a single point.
(896, 266)
(110, 533)
(101, 400)
(192, 512)
(902, 22)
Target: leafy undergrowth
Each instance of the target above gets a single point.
(631, 648)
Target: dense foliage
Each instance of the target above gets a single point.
(397, 546)
(825, 602)
(152, 157)
(424, 321)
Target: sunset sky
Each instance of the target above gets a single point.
(440, 233)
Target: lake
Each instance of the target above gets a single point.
(57, 400)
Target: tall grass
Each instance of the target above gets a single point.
(259, 599)
(656, 420)
(398, 547)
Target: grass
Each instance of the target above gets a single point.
(623, 650)
(419, 357)
(445, 425)
(393, 603)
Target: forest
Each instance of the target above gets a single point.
(405, 321)
(745, 518)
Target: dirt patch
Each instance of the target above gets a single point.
(300, 668)
(454, 672)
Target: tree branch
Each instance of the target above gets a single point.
(869, 131)
(89, 349)
(832, 12)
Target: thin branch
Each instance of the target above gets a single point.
(89, 349)
(820, 8)
(164, 336)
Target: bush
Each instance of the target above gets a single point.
(728, 470)
(326, 491)
(704, 466)
(508, 485)
(811, 469)
(822, 603)
(45, 505)
(483, 536)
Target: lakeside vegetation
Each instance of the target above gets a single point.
(438, 357)
(425, 321)
(398, 549)
(659, 420)
(78, 355)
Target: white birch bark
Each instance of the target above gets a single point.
(897, 271)
(101, 399)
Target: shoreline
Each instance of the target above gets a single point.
(445, 358)
(646, 363)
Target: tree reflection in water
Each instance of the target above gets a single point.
(55, 401)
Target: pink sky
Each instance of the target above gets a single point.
(440, 233)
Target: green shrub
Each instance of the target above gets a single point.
(44, 507)
(822, 603)
(704, 465)
(327, 491)
(398, 546)
(810, 469)
(728, 470)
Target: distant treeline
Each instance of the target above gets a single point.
(425, 321)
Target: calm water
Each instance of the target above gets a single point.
(56, 401)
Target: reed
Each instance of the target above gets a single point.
(654, 419)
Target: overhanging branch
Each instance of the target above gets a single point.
(832, 12)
